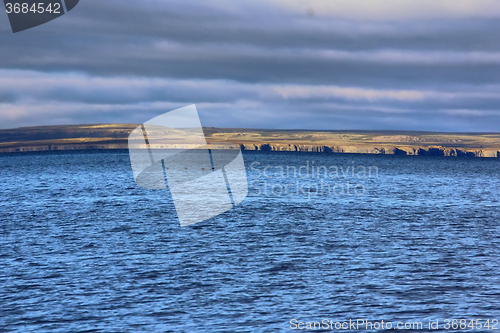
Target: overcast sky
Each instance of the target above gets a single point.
(296, 64)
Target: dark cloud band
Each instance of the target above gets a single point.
(255, 64)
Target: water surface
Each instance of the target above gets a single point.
(82, 248)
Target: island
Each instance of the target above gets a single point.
(115, 136)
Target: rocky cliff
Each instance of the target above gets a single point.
(380, 150)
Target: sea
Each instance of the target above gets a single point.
(322, 243)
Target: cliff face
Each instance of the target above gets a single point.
(62, 147)
(410, 151)
(115, 136)
(381, 150)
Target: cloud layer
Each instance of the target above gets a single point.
(358, 64)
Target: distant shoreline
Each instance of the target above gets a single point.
(115, 136)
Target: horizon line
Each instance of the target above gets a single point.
(266, 129)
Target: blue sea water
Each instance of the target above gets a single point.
(83, 249)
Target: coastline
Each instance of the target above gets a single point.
(115, 136)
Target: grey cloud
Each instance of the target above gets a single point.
(107, 60)
(58, 98)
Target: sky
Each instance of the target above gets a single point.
(426, 65)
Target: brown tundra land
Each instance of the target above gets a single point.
(115, 136)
